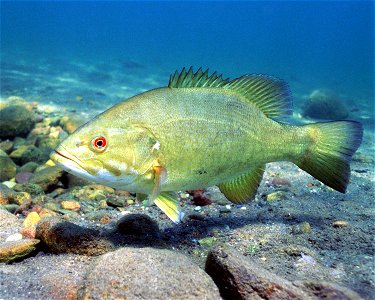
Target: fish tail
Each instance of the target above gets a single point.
(333, 145)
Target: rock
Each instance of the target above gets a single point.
(6, 146)
(164, 275)
(70, 124)
(301, 228)
(44, 277)
(327, 290)
(31, 188)
(340, 224)
(138, 225)
(19, 198)
(15, 120)
(47, 178)
(200, 200)
(10, 251)
(5, 192)
(31, 219)
(29, 167)
(28, 232)
(14, 237)
(7, 168)
(276, 196)
(9, 224)
(12, 208)
(27, 153)
(324, 104)
(71, 205)
(23, 177)
(239, 277)
(65, 237)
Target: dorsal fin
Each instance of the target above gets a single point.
(269, 94)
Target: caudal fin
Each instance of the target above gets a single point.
(328, 159)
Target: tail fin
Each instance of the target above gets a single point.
(328, 159)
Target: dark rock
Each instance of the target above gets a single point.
(14, 250)
(15, 120)
(7, 168)
(47, 178)
(137, 224)
(327, 290)
(324, 104)
(238, 277)
(64, 237)
(23, 177)
(147, 273)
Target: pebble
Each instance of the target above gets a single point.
(14, 237)
(198, 208)
(31, 219)
(71, 205)
(9, 184)
(275, 196)
(340, 224)
(28, 232)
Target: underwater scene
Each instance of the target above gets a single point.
(187, 150)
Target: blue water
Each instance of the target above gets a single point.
(107, 51)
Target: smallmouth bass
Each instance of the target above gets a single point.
(202, 130)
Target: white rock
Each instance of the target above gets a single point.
(14, 237)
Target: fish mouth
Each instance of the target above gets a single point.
(67, 161)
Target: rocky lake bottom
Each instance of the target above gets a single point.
(65, 238)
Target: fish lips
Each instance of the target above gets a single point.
(69, 162)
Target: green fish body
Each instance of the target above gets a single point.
(202, 131)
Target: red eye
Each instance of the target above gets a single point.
(99, 143)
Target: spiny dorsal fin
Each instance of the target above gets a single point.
(269, 94)
(189, 79)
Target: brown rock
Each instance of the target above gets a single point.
(65, 237)
(238, 277)
(71, 205)
(5, 192)
(10, 251)
(327, 290)
(147, 273)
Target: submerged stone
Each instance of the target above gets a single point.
(164, 274)
(15, 120)
(13, 250)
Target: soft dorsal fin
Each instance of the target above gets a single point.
(269, 94)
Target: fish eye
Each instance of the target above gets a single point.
(99, 143)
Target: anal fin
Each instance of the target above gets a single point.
(170, 206)
(244, 187)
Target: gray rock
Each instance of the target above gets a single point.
(7, 168)
(147, 273)
(238, 277)
(44, 277)
(324, 104)
(15, 120)
(27, 153)
(23, 177)
(64, 237)
(31, 188)
(9, 224)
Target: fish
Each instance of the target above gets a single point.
(202, 130)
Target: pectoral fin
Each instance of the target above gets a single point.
(170, 206)
(243, 188)
(160, 175)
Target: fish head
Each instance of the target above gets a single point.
(115, 156)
